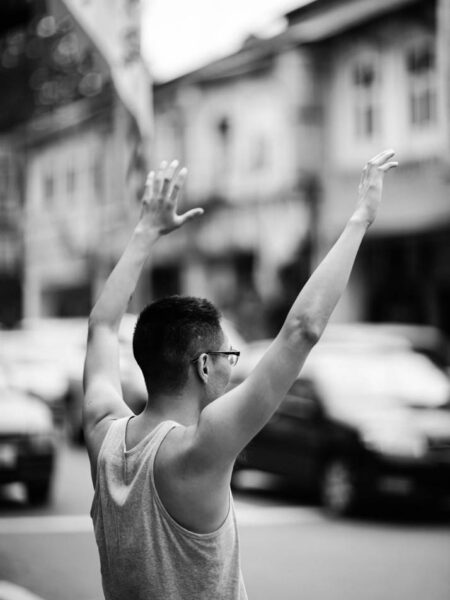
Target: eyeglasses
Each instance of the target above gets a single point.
(232, 356)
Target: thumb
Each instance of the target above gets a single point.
(190, 214)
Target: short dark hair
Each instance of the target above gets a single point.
(169, 333)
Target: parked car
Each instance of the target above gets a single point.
(367, 417)
(133, 386)
(40, 356)
(30, 367)
(27, 443)
(425, 339)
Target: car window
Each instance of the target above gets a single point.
(300, 401)
(385, 378)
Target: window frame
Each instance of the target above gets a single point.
(365, 98)
(419, 86)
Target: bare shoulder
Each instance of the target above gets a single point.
(197, 498)
(94, 438)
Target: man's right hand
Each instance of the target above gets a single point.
(371, 186)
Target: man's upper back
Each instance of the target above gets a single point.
(144, 551)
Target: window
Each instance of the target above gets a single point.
(366, 84)
(71, 181)
(97, 177)
(49, 189)
(10, 197)
(165, 281)
(223, 128)
(259, 153)
(5, 176)
(421, 71)
(223, 132)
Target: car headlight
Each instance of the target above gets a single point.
(395, 443)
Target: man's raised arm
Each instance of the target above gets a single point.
(101, 380)
(229, 423)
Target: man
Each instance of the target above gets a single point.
(162, 510)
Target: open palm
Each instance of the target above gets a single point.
(371, 185)
(160, 199)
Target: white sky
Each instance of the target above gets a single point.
(181, 35)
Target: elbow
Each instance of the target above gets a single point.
(97, 321)
(311, 333)
(305, 330)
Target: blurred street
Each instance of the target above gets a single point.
(274, 132)
(289, 550)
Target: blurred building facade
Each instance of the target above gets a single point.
(70, 151)
(234, 124)
(275, 137)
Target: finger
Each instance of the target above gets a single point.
(387, 166)
(363, 175)
(168, 176)
(382, 156)
(149, 187)
(160, 176)
(189, 215)
(178, 185)
(379, 159)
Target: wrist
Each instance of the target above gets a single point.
(147, 234)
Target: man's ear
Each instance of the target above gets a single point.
(202, 367)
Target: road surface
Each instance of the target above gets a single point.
(290, 550)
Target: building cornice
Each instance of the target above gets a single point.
(315, 22)
(48, 126)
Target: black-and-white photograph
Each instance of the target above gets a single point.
(224, 299)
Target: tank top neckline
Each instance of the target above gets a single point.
(141, 442)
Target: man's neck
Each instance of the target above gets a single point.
(183, 408)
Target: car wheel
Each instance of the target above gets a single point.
(38, 492)
(338, 488)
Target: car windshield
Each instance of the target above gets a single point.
(406, 377)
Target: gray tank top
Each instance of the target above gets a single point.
(144, 553)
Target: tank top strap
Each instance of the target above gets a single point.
(113, 437)
(159, 435)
